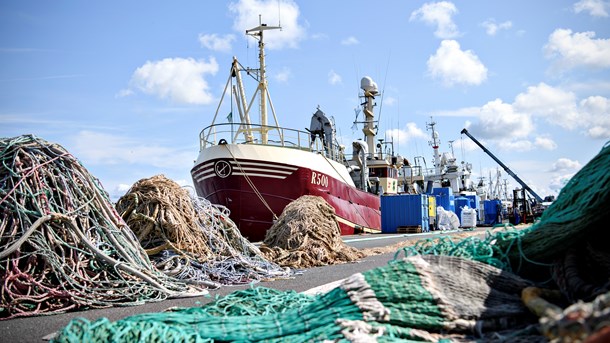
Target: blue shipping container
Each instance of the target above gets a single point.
(444, 198)
(491, 208)
(404, 210)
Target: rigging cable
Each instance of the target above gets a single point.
(256, 191)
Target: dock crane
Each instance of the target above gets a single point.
(524, 204)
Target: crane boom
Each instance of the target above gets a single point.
(510, 172)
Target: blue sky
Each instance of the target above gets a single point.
(126, 86)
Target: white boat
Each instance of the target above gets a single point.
(256, 169)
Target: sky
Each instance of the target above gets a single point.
(126, 86)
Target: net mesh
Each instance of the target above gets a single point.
(475, 289)
(307, 235)
(191, 239)
(64, 246)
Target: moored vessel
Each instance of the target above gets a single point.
(256, 169)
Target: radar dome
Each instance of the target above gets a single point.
(368, 85)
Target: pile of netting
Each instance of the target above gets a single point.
(511, 286)
(566, 249)
(307, 235)
(191, 239)
(421, 298)
(63, 245)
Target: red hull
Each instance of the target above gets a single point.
(358, 209)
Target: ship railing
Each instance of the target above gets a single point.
(412, 171)
(235, 133)
(426, 171)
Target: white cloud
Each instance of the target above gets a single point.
(466, 144)
(97, 148)
(454, 66)
(578, 49)
(560, 107)
(500, 121)
(123, 187)
(334, 78)
(596, 8)
(217, 43)
(506, 123)
(491, 27)
(118, 191)
(438, 14)
(558, 182)
(389, 100)
(556, 105)
(247, 17)
(181, 80)
(351, 40)
(124, 93)
(404, 135)
(283, 75)
(545, 143)
(590, 86)
(564, 164)
(516, 145)
(461, 112)
(595, 111)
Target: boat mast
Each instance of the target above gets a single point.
(435, 143)
(370, 90)
(257, 33)
(242, 104)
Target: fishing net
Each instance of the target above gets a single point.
(255, 301)
(64, 246)
(567, 248)
(569, 244)
(417, 298)
(307, 235)
(476, 289)
(189, 238)
(471, 246)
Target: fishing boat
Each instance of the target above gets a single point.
(445, 172)
(256, 169)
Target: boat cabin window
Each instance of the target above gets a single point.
(383, 172)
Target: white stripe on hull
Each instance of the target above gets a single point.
(264, 170)
(267, 161)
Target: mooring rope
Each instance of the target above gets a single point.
(252, 185)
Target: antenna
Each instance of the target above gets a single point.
(279, 14)
(398, 125)
(385, 78)
(355, 126)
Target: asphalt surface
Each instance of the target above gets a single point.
(35, 329)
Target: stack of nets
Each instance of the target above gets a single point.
(570, 242)
(567, 248)
(487, 289)
(420, 298)
(307, 235)
(189, 238)
(63, 245)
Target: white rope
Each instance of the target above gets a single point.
(256, 191)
